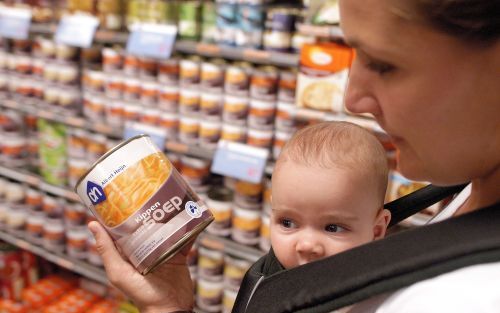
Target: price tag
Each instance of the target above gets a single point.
(15, 23)
(77, 30)
(158, 135)
(240, 161)
(152, 40)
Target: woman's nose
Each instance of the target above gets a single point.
(359, 97)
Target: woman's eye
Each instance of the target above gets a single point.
(287, 223)
(332, 228)
(380, 67)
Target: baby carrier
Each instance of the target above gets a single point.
(378, 267)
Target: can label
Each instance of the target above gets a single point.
(142, 200)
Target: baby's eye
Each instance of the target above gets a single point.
(332, 228)
(287, 223)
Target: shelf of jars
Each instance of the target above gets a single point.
(83, 268)
(192, 47)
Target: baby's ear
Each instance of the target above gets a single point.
(381, 223)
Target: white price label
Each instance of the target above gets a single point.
(151, 40)
(240, 161)
(77, 30)
(15, 23)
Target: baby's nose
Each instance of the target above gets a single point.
(310, 246)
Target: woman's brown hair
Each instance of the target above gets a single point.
(477, 21)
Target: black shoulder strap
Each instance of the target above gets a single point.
(418, 200)
(382, 266)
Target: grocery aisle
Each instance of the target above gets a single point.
(250, 73)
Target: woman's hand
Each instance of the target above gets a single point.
(167, 289)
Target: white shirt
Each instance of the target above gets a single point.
(472, 289)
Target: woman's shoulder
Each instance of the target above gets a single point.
(469, 289)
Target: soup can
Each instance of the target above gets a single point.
(143, 202)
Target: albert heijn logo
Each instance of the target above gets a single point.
(95, 193)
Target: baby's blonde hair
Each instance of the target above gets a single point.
(341, 145)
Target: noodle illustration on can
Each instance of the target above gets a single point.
(143, 202)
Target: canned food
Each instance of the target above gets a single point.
(248, 195)
(131, 89)
(190, 71)
(65, 52)
(220, 202)
(234, 270)
(175, 159)
(234, 133)
(76, 169)
(264, 83)
(237, 79)
(281, 19)
(168, 71)
(209, 134)
(143, 225)
(265, 233)
(16, 219)
(287, 86)
(235, 110)
(76, 243)
(280, 139)
(53, 235)
(52, 207)
(77, 143)
(37, 68)
(261, 114)
(149, 93)
(150, 116)
(69, 99)
(131, 65)
(112, 60)
(132, 112)
(14, 193)
(189, 101)
(228, 300)
(208, 22)
(170, 122)
(148, 68)
(189, 19)
(94, 80)
(14, 150)
(251, 25)
(50, 72)
(196, 172)
(114, 86)
(285, 116)
(33, 199)
(227, 21)
(212, 75)
(115, 113)
(67, 74)
(94, 108)
(211, 106)
(96, 146)
(210, 263)
(169, 98)
(188, 130)
(260, 138)
(23, 65)
(209, 295)
(246, 226)
(74, 214)
(34, 227)
(277, 41)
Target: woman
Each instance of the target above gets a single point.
(428, 70)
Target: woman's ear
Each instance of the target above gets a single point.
(381, 223)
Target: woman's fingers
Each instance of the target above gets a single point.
(114, 264)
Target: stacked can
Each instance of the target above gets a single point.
(250, 16)
(280, 26)
(209, 287)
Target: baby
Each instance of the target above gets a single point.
(328, 191)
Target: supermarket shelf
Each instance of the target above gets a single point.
(36, 181)
(231, 247)
(368, 123)
(60, 259)
(191, 150)
(192, 47)
(26, 107)
(234, 53)
(326, 31)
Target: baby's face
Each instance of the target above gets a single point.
(319, 212)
